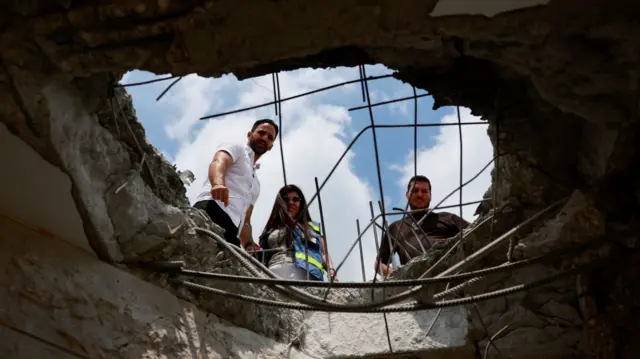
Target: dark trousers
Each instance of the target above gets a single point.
(221, 218)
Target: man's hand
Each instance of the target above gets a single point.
(221, 193)
(222, 161)
(252, 247)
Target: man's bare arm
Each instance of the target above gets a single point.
(246, 236)
(382, 268)
(222, 161)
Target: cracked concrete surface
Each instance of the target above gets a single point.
(558, 84)
(57, 301)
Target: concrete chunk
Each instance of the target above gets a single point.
(57, 301)
(339, 335)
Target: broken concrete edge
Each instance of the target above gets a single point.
(489, 74)
(125, 220)
(352, 335)
(135, 225)
(552, 232)
(138, 225)
(132, 224)
(114, 314)
(72, 41)
(128, 223)
(547, 309)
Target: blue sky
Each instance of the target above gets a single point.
(315, 131)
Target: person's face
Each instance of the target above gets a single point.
(419, 196)
(293, 203)
(262, 138)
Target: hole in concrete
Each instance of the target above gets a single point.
(316, 130)
(548, 74)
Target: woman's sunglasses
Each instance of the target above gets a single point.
(292, 199)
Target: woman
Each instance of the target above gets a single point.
(283, 239)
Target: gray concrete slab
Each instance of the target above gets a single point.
(342, 335)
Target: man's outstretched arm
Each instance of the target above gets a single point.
(218, 168)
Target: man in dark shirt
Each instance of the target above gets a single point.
(406, 238)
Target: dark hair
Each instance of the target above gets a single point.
(280, 218)
(265, 120)
(418, 178)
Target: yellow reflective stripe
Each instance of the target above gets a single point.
(311, 260)
(315, 228)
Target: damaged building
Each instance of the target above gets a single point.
(87, 204)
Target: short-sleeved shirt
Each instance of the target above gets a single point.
(412, 242)
(240, 179)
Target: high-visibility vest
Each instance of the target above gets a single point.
(312, 254)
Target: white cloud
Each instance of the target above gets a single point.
(312, 141)
(316, 132)
(399, 108)
(192, 97)
(125, 78)
(441, 163)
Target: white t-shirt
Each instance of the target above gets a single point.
(241, 180)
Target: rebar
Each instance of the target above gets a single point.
(146, 82)
(177, 269)
(324, 229)
(381, 103)
(411, 307)
(168, 88)
(311, 302)
(364, 276)
(295, 97)
(461, 180)
(279, 114)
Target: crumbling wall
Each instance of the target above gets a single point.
(57, 301)
(557, 83)
(148, 228)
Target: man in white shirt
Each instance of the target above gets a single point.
(232, 188)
